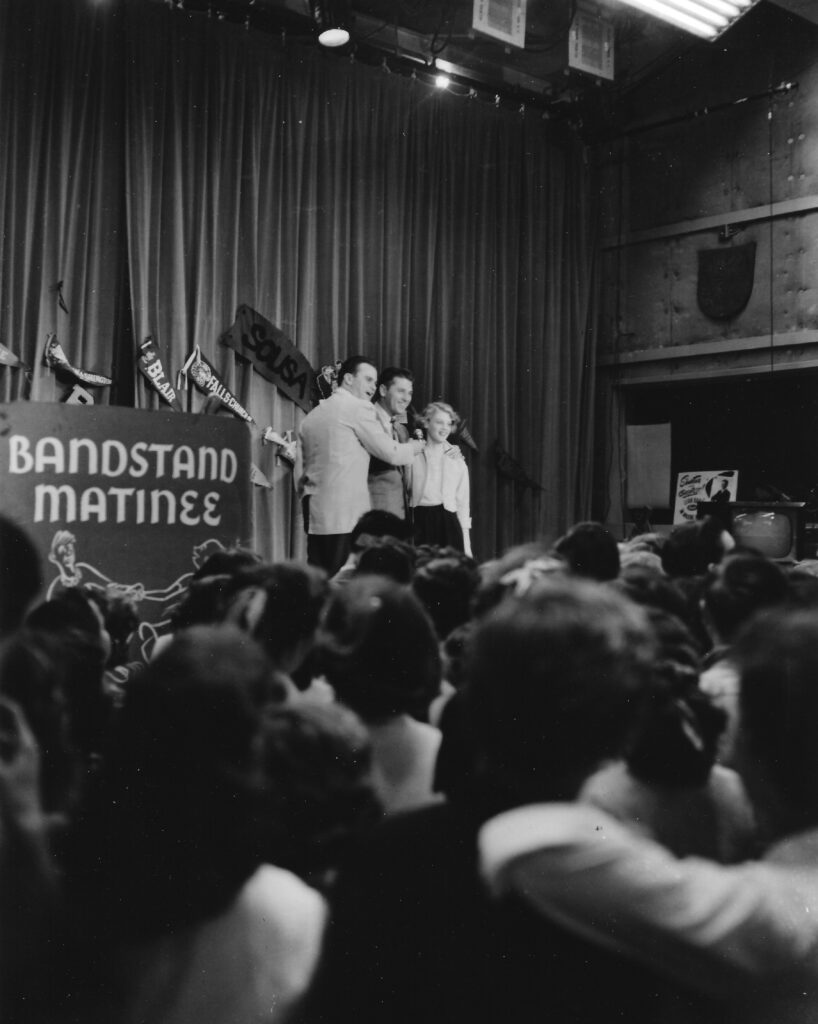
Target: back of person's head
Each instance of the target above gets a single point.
(590, 551)
(169, 832)
(776, 656)
(33, 675)
(386, 556)
(316, 761)
(556, 678)
(72, 627)
(21, 575)
(226, 562)
(378, 523)
(676, 740)
(513, 573)
(280, 606)
(738, 587)
(693, 547)
(446, 587)
(803, 587)
(651, 588)
(378, 649)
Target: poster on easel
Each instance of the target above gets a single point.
(693, 486)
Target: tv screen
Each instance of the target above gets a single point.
(775, 528)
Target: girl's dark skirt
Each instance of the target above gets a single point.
(433, 524)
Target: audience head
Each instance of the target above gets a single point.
(34, 675)
(226, 562)
(590, 550)
(693, 547)
(386, 556)
(446, 587)
(378, 649)
(513, 573)
(20, 575)
(776, 656)
(169, 832)
(279, 606)
(676, 740)
(651, 588)
(556, 679)
(378, 523)
(316, 762)
(739, 586)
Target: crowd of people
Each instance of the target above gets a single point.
(576, 782)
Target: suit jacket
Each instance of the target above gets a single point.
(388, 483)
(336, 441)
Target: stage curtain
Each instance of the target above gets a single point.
(359, 211)
(61, 191)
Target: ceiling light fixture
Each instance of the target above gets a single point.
(705, 18)
(331, 17)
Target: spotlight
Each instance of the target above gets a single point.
(442, 81)
(331, 18)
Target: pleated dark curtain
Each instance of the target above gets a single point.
(167, 167)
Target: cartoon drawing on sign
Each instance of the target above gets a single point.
(71, 573)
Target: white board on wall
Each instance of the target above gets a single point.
(648, 466)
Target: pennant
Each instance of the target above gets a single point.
(463, 434)
(258, 478)
(8, 358)
(511, 469)
(57, 359)
(286, 445)
(204, 376)
(273, 355)
(150, 365)
(60, 298)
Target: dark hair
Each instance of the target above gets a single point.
(378, 523)
(350, 365)
(739, 586)
(651, 588)
(21, 575)
(386, 556)
(776, 656)
(446, 587)
(316, 761)
(556, 679)
(590, 550)
(391, 373)
(379, 651)
(280, 606)
(169, 832)
(692, 548)
(226, 562)
(70, 609)
(33, 675)
(676, 741)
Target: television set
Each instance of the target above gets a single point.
(774, 528)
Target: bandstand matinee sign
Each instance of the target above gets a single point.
(123, 500)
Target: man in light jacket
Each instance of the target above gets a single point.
(337, 440)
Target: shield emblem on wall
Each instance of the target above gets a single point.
(726, 280)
